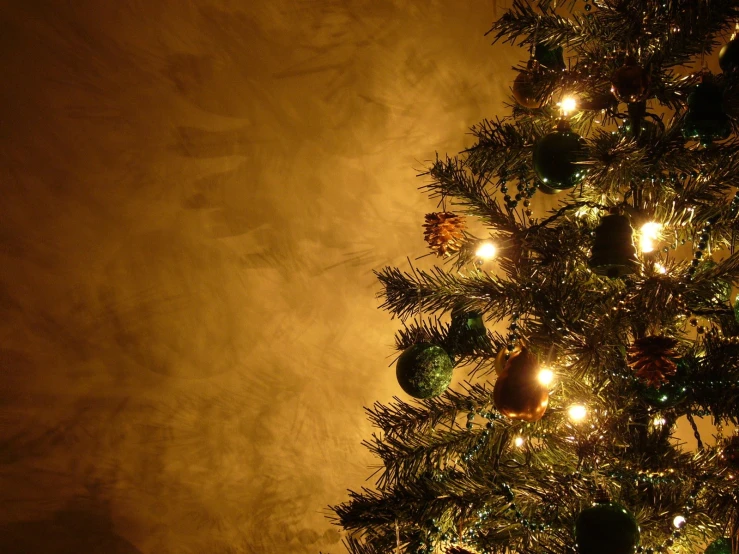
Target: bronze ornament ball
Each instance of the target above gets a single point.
(728, 57)
(518, 394)
(630, 82)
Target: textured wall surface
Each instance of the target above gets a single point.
(194, 194)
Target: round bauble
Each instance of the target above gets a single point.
(606, 528)
(736, 308)
(630, 82)
(424, 370)
(526, 87)
(671, 393)
(728, 57)
(706, 120)
(518, 394)
(719, 546)
(556, 158)
(730, 452)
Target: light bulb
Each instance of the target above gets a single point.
(545, 376)
(659, 268)
(649, 233)
(679, 522)
(518, 441)
(659, 421)
(486, 250)
(577, 412)
(568, 104)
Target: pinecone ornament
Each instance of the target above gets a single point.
(444, 232)
(653, 359)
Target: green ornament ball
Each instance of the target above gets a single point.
(669, 394)
(719, 546)
(555, 160)
(424, 370)
(606, 528)
(728, 57)
(706, 120)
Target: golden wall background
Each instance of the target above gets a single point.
(194, 194)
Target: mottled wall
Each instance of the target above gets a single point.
(194, 194)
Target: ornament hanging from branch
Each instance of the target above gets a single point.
(444, 232)
(613, 254)
(606, 528)
(518, 392)
(556, 159)
(706, 120)
(424, 370)
(653, 359)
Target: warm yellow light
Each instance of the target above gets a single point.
(659, 421)
(678, 522)
(518, 441)
(577, 412)
(545, 376)
(659, 268)
(486, 250)
(649, 233)
(568, 105)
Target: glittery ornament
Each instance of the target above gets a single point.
(606, 528)
(653, 359)
(424, 370)
(706, 120)
(719, 546)
(518, 394)
(728, 57)
(613, 253)
(526, 87)
(630, 82)
(444, 232)
(556, 158)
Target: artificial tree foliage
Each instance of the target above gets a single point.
(457, 476)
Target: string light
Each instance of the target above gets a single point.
(518, 441)
(659, 268)
(679, 522)
(545, 376)
(568, 104)
(649, 234)
(486, 250)
(577, 412)
(659, 421)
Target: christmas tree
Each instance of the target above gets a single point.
(615, 305)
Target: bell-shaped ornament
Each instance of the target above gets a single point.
(613, 253)
(706, 120)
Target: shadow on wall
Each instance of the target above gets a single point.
(73, 530)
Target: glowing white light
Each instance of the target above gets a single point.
(659, 268)
(649, 233)
(678, 522)
(568, 105)
(518, 441)
(545, 376)
(577, 412)
(486, 250)
(659, 421)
